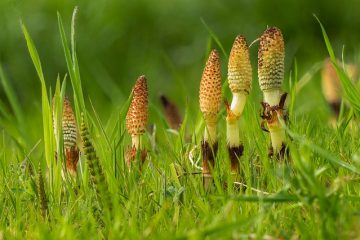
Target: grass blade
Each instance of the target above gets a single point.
(46, 111)
(13, 100)
(73, 68)
(351, 92)
(216, 39)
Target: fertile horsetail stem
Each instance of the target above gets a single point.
(70, 134)
(210, 95)
(239, 78)
(210, 101)
(136, 118)
(271, 75)
(70, 137)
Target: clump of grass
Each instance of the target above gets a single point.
(318, 187)
(136, 120)
(271, 75)
(239, 78)
(210, 101)
(98, 179)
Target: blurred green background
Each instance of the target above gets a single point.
(167, 41)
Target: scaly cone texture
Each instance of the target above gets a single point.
(70, 134)
(70, 137)
(239, 67)
(271, 74)
(271, 64)
(69, 125)
(239, 78)
(210, 101)
(137, 116)
(271, 56)
(210, 95)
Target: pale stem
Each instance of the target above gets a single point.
(238, 103)
(136, 141)
(277, 134)
(272, 97)
(210, 133)
(232, 136)
(232, 127)
(277, 139)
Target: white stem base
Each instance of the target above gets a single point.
(272, 97)
(232, 136)
(136, 141)
(232, 123)
(238, 103)
(277, 139)
(210, 134)
(277, 133)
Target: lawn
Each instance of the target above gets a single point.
(93, 55)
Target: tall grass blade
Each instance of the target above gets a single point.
(13, 100)
(322, 152)
(73, 68)
(350, 90)
(46, 111)
(215, 37)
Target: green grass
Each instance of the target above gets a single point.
(313, 195)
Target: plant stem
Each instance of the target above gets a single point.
(272, 97)
(210, 132)
(232, 136)
(208, 152)
(136, 141)
(238, 103)
(235, 148)
(277, 132)
(134, 149)
(277, 139)
(235, 153)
